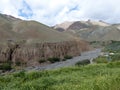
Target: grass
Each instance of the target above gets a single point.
(90, 77)
(101, 59)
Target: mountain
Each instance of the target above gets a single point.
(29, 42)
(93, 30)
(116, 25)
(76, 25)
(13, 28)
(98, 33)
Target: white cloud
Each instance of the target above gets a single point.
(51, 12)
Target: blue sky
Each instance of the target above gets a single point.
(25, 11)
(51, 12)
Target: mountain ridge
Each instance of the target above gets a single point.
(93, 30)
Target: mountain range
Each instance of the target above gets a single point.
(91, 30)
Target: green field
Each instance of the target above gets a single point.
(89, 77)
(114, 46)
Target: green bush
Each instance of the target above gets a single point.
(84, 62)
(101, 60)
(68, 57)
(54, 59)
(5, 66)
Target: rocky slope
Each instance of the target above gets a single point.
(93, 30)
(76, 25)
(28, 42)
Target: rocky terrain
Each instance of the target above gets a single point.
(28, 42)
(91, 30)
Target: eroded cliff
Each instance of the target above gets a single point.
(30, 54)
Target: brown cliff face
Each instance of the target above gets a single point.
(30, 54)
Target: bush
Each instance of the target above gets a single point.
(5, 67)
(84, 62)
(64, 59)
(54, 59)
(18, 63)
(68, 57)
(42, 61)
(101, 60)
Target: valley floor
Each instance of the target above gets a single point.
(70, 62)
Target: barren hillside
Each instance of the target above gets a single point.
(30, 41)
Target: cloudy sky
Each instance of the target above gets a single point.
(51, 12)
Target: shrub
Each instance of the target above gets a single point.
(68, 57)
(5, 66)
(84, 62)
(101, 60)
(64, 59)
(54, 59)
(42, 61)
(18, 63)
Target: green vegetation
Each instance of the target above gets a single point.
(54, 59)
(97, 44)
(113, 64)
(18, 63)
(114, 46)
(115, 57)
(106, 59)
(101, 59)
(68, 57)
(42, 61)
(109, 47)
(5, 66)
(90, 77)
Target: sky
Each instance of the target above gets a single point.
(51, 12)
